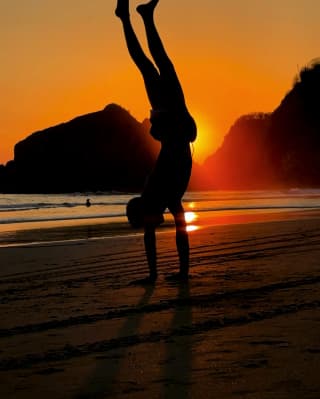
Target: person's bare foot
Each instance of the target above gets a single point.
(147, 9)
(122, 10)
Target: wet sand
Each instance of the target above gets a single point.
(246, 325)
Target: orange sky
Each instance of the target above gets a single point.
(62, 59)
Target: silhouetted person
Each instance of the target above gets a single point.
(88, 203)
(174, 127)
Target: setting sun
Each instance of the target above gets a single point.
(205, 143)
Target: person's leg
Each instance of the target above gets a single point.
(148, 70)
(122, 9)
(158, 52)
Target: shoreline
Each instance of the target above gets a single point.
(39, 233)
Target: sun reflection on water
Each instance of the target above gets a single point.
(191, 217)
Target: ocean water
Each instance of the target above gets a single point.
(20, 209)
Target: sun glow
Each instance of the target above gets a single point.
(205, 143)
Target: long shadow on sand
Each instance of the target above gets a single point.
(102, 381)
(178, 362)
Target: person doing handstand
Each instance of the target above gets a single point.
(174, 127)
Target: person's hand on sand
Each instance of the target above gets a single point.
(144, 281)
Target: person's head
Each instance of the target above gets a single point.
(140, 217)
(134, 212)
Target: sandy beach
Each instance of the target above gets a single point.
(246, 325)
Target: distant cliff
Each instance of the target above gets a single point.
(105, 150)
(281, 149)
(294, 139)
(242, 160)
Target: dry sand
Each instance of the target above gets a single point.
(246, 326)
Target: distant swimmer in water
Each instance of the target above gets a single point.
(88, 203)
(174, 127)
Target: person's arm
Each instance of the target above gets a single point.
(182, 241)
(151, 250)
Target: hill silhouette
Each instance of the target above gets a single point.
(295, 131)
(111, 150)
(105, 150)
(241, 161)
(280, 149)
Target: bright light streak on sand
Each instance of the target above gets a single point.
(192, 228)
(191, 217)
